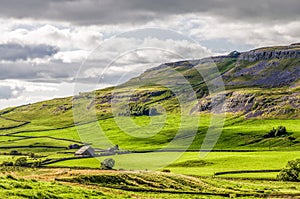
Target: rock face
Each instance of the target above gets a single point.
(266, 68)
(268, 105)
(268, 53)
(265, 74)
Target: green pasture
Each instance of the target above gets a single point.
(213, 162)
(237, 133)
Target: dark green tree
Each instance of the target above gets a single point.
(22, 161)
(280, 131)
(291, 172)
(108, 164)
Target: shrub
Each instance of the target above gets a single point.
(108, 164)
(22, 161)
(166, 170)
(36, 164)
(31, 155)
(14, 152)
(6, 163)
(291, 172)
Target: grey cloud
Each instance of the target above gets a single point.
(14, 52)
(54, 72)
(48, 72)
(137, 11)
(6, 92)
(148, 52)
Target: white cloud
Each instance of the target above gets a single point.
(256, 34)
(75, 56)
(120, 57)
(66, 37)
(23, 92)
(76, 42)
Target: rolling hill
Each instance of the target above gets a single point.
(260, 91)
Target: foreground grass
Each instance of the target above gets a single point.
(11, 187)
(66, 183)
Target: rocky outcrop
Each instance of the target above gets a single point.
(266, 105)
(269, 53)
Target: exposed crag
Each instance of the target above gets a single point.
(282, 52)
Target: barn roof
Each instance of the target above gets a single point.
(84, 149)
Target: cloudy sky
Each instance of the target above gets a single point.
(51, 48)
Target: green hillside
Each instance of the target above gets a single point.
(261, 91)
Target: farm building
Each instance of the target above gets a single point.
(85, 151)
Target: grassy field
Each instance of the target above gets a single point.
(237, 134)
(206, 166)
(66, 183)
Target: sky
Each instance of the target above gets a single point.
(57, 48)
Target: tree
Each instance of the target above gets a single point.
(22, 161)
(280, 131)
(291, 172)
(14, 152)
(31, 154)
(108, 164)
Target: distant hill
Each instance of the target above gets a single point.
(264, 82)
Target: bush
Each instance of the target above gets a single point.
(36, 164)
(14, 152)
(166, 170)
(21, 162)
(32, 155)
(291, 172)
(108, 164)
(5, 163)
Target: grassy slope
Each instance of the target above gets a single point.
(55, 183)
(22, 188)
(237, 134)
(50, 123)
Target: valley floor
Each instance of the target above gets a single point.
(251, 161)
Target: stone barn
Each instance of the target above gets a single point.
(85, 151)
